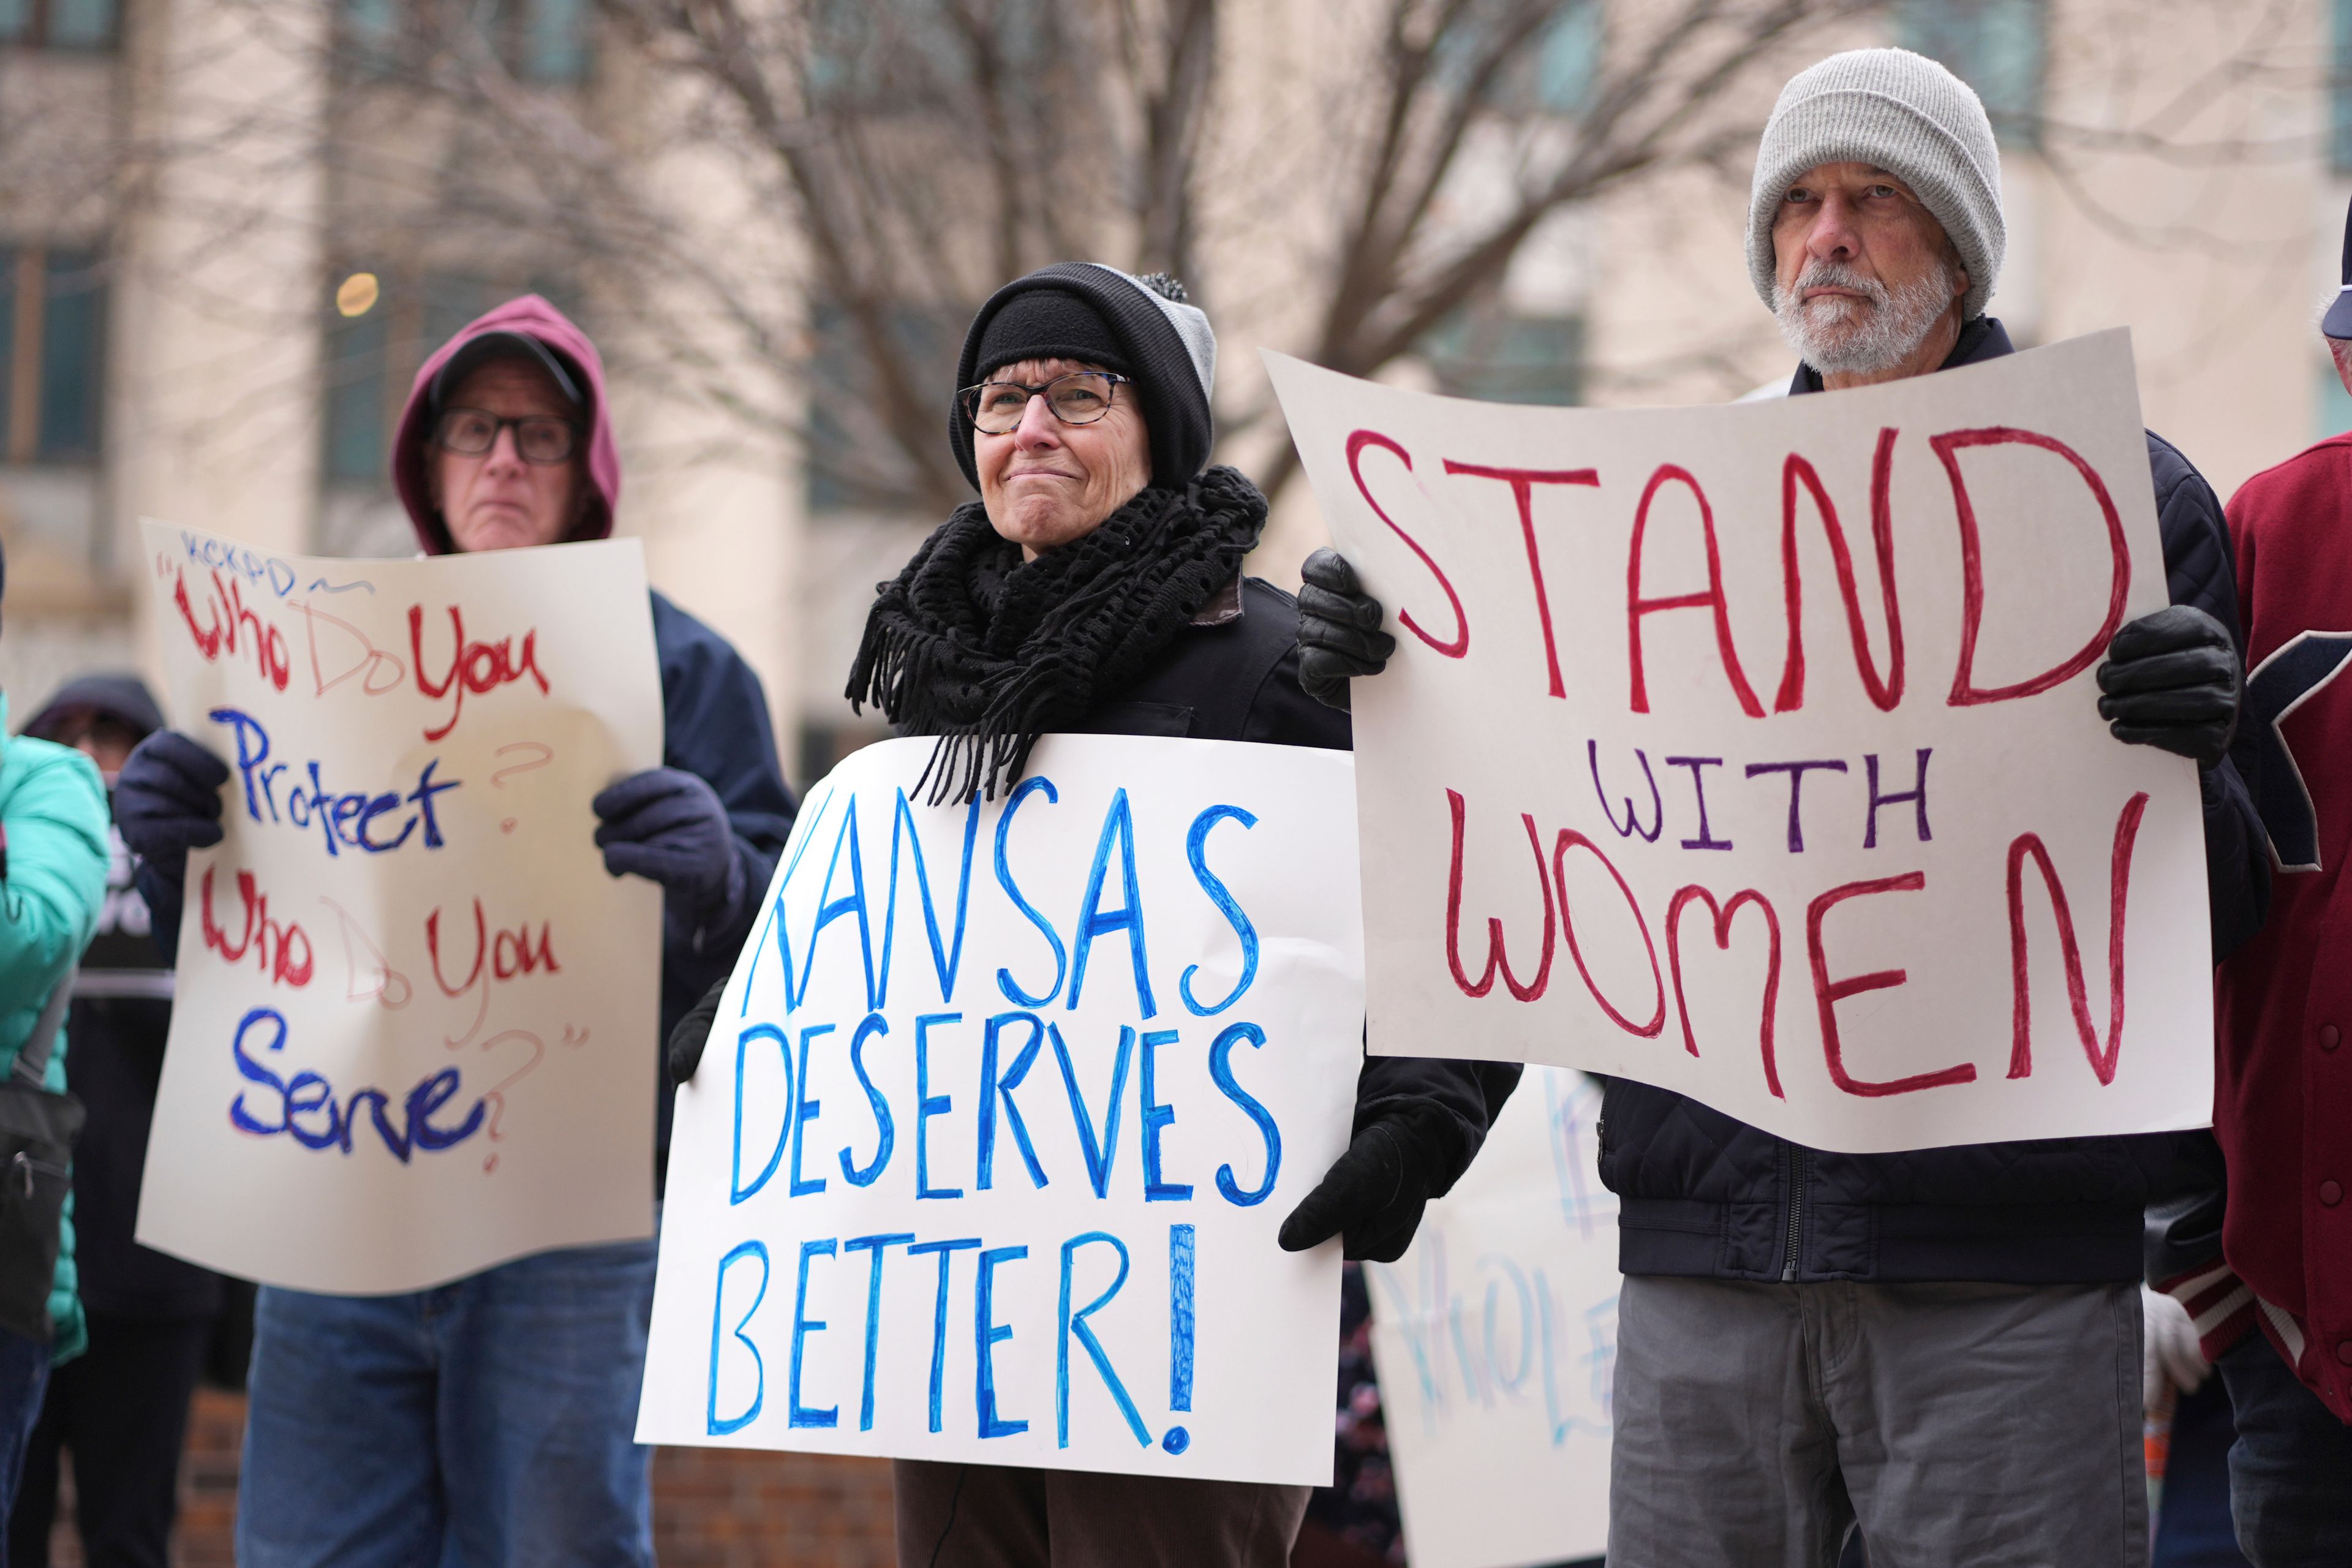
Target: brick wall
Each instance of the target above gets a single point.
(713, 1508)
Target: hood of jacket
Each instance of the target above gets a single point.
(532, 317)
(121, 697)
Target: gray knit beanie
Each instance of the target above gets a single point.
(1907, 115)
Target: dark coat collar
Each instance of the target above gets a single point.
(1224, 606)
(1980, 340)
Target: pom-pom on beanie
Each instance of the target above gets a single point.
(1903, 113)
(1142, 328)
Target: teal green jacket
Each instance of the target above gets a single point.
(53, 805)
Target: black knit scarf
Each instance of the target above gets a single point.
(988, 652)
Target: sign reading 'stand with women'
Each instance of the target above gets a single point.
(1753, 751)
(1003, 1107)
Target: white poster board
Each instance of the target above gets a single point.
(414, 1034)
(1004, 1108)
(1495, 1337)
(1753, 751)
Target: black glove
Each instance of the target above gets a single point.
(1372, 1196)
(2172, 682)
(167, 801)
(668, 825)
(693, 1032)
(1339, 631)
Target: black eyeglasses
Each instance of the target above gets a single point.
(1081, 397)
(539, 438)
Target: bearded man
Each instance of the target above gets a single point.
(1940, 1347)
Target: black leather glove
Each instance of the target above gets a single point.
(2172, 682)
(1339, 633)
(167, 801)
(1372, 1196)
(693, 1032)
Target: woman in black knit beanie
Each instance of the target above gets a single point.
(1096, 587)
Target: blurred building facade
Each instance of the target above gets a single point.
(221, 337)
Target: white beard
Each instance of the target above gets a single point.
(1865, 336)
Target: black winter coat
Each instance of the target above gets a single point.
(1704, 1195)
(1233, 675)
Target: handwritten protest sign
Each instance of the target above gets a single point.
(1753, 751)
(415, 1026)
(1495, 1337)
(1004, 1106)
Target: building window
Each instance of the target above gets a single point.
(60, 24)
(1997, 46)
(538, 40)
(52, 354)
(1496, 356)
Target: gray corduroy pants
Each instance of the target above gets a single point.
(1958, 1424)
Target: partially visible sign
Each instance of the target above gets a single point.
(415, 1025)
(1004, 1108)
(1495, 1337)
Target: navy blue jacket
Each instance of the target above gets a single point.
(1704, 1195)
(715, 726)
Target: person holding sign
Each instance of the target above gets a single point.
(1096, 587)
(2285, 1076)
(489, 1420)
(1809, 1340)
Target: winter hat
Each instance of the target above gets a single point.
(1905, 115)
(121, 697)
(1142, 328)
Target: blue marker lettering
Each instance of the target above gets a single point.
(806, 1110)
(987, 1333)
(1119, 824)
(1098, 1156)
(1157, 1115)
(1005, 981)
(1181, 1249)
(946, 957)
(1075, 1323)
(946, 1250)
(803, 1326)
(878, 1246)
(1196, 849)
(884, 1135)
(1221, 1068)
(928, 1105)
(735, 1191)
(716, 1427)
(992, 1087)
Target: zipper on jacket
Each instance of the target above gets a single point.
(1796, 1209)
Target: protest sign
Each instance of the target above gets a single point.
(1495, 1337)
(414, 1034)
(1753, 752)
(1005, 1105)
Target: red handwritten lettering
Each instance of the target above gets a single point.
(1636, 606)
(474, 666)
(1460, 643)
(1724, 915)
(1966, 693)
(1828, 993)
(1884, 692)
(1570, 838)
(2020, 1050)
(1496, 959)
(280, 951)
(225, 608)
(1523, 482)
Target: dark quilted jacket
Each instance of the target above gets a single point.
(1704, 1194)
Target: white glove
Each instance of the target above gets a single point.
(2170, 1355)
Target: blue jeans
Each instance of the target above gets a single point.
(24, 1377)
(484, 1424)
(2291, 1467)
